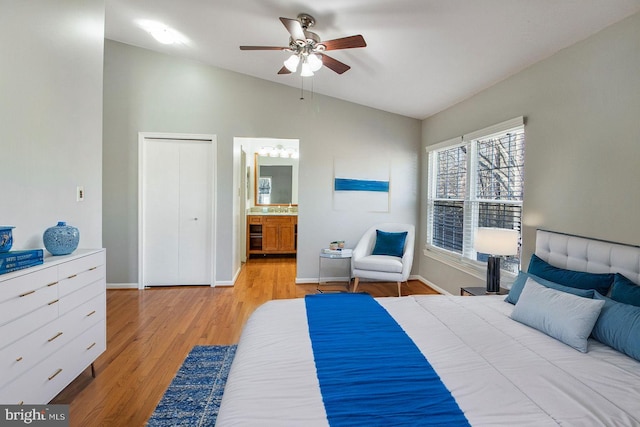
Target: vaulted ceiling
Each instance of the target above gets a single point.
(422, 56)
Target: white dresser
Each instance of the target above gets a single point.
(52, 325)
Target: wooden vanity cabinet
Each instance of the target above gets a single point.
(271, 234)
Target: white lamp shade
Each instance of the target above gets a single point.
(315, 63)
(496, 241)
(306, 70)
(292, 63)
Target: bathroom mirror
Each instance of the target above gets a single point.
(276, 181)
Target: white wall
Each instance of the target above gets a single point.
(151, 92)
(582, 112)
(51, 117)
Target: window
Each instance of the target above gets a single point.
(476, 181)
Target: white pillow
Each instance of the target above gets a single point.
(565, 317)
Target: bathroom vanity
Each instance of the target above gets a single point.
(272, 233)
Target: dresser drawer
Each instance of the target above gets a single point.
(45, 380)
(25, 353)
(30, 281)
(17, 329)
(82, 295)
(69, 284)
(80, 265)
(38, 294)
(84, 316)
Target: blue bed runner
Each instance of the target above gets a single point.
(370, 371)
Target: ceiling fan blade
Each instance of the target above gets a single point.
(284, 70)
(345, 43)
(294, 27)
(263, 48)
(334, 64)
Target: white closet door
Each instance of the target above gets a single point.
(177, 212)
(195, 204)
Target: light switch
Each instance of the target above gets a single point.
(79, 193)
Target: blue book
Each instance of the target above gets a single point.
(14, 256)
(17, 260)
(8, 268)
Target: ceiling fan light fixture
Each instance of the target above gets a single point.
(306, 70)
(314, 61)
(307, 48)
(292, 63)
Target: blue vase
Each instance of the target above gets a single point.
(61, 239)
(6, 238)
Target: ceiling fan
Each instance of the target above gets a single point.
(307, 49)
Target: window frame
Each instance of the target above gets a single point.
(471, 203)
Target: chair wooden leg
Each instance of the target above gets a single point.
(399, 285)
(355, 284)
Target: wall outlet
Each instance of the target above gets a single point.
(79, 193)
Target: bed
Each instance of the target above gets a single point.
(300, 365)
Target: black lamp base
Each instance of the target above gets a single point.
(493, 275)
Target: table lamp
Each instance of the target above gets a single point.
(495, 242)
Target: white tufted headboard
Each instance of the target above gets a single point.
(591, 255)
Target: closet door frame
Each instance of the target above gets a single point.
(145, 137)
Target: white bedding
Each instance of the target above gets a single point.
(500, 372)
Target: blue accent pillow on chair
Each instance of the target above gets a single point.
(576, 279)
(391, 244)
(625, 291)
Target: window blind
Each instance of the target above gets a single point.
(476, 181)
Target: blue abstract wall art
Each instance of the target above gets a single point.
(346, 184)
(361, 185)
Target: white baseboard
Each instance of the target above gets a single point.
(122, 286)
(135, 285)
(304, 281)
(431, 285)
(299, 281)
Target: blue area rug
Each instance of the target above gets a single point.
(193, 397)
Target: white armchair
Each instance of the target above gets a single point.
(365, 265)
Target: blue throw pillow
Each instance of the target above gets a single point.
(389, 243)
(521, 279)
(625, 291)
(565, 317)
(618, 326)
(601, 282)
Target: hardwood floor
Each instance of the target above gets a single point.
(150, 332)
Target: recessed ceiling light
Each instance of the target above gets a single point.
(162, 33)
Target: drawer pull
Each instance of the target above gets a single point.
(55, 336)
(72, 276)
(92, 268)
(92, 313)
(19, 359)
(55, 374)
(53, 302)
(91, 346)
(52, 283)
(27, 293)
